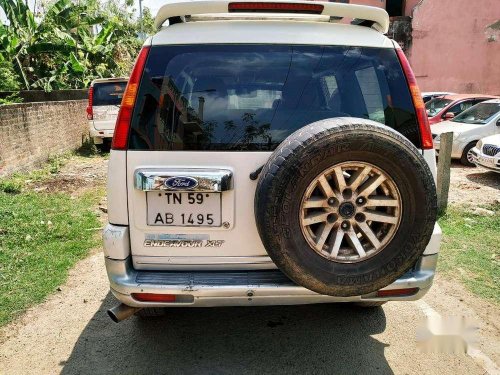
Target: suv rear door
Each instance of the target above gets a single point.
(206, 112)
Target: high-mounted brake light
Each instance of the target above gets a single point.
(90, 112)
(266, 7)
(122, 128)
(418, 103)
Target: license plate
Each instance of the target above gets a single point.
(486, 161)
(184, 209)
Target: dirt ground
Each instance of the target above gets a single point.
(75, 176)
(70, 333)
(473, 186)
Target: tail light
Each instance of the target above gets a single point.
(153, 297)
(397, 292)
(122, 128)
(265, 7)
(90, 112)
(418, 102)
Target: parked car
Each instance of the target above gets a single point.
(266, 160)
(105, 96)
(449, 106)
(486, 153)
(426, 96)
(468, 128)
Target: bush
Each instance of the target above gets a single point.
(8, 77)
(10, 186)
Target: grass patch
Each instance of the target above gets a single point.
(88, 148)
(470, 250)
(42, 236)
(14, 183)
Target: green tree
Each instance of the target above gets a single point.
(70, 43)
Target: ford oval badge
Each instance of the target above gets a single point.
(181, 183)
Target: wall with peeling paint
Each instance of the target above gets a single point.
(454, 44)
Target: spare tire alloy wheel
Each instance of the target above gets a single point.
(353, 200)
(345, 206)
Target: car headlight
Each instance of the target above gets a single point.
(479, 144)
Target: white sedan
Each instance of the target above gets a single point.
(468, 128)
(486, 154)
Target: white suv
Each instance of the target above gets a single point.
(269, 153)
(105, 96)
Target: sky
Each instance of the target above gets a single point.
(153, 5)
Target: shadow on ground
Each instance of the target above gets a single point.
(479, 175)
(244, 340)
(491, 179)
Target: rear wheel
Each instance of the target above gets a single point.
(466, 158)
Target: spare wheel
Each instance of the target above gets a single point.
(345, 206)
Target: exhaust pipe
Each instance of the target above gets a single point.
(122, 312)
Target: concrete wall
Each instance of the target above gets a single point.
(375, 3)
(31, 132)
(454, 49)
(408, 4)
(52, 96)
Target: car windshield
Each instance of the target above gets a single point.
(108, 93)
(479, 114)
(251, 97)
(434, 106)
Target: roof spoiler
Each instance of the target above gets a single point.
(176, 10)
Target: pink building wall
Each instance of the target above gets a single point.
(456, 44)
(375, 3)
(454, 48)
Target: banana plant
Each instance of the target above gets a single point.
(71, 43)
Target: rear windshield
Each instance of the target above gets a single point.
(435, 106)
(251, 97)
(108, 93)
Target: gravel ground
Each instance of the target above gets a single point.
(70, 333)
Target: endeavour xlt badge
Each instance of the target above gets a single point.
(180, 240)
(181, 183)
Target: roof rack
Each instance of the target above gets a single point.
(177, 10)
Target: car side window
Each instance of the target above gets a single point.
(460, 107)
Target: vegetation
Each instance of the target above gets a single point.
(470, 250)
(42, 236)
(67, 44)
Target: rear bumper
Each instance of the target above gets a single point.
(243, 288)
(95, 133)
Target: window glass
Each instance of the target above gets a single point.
(460, 107)
(395, 8)
(108, 93)
(251, 97)
(434, 106)
(481, 113)
(370, 89)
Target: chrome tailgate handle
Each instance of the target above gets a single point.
(184, 179)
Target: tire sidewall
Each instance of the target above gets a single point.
(284, 239)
